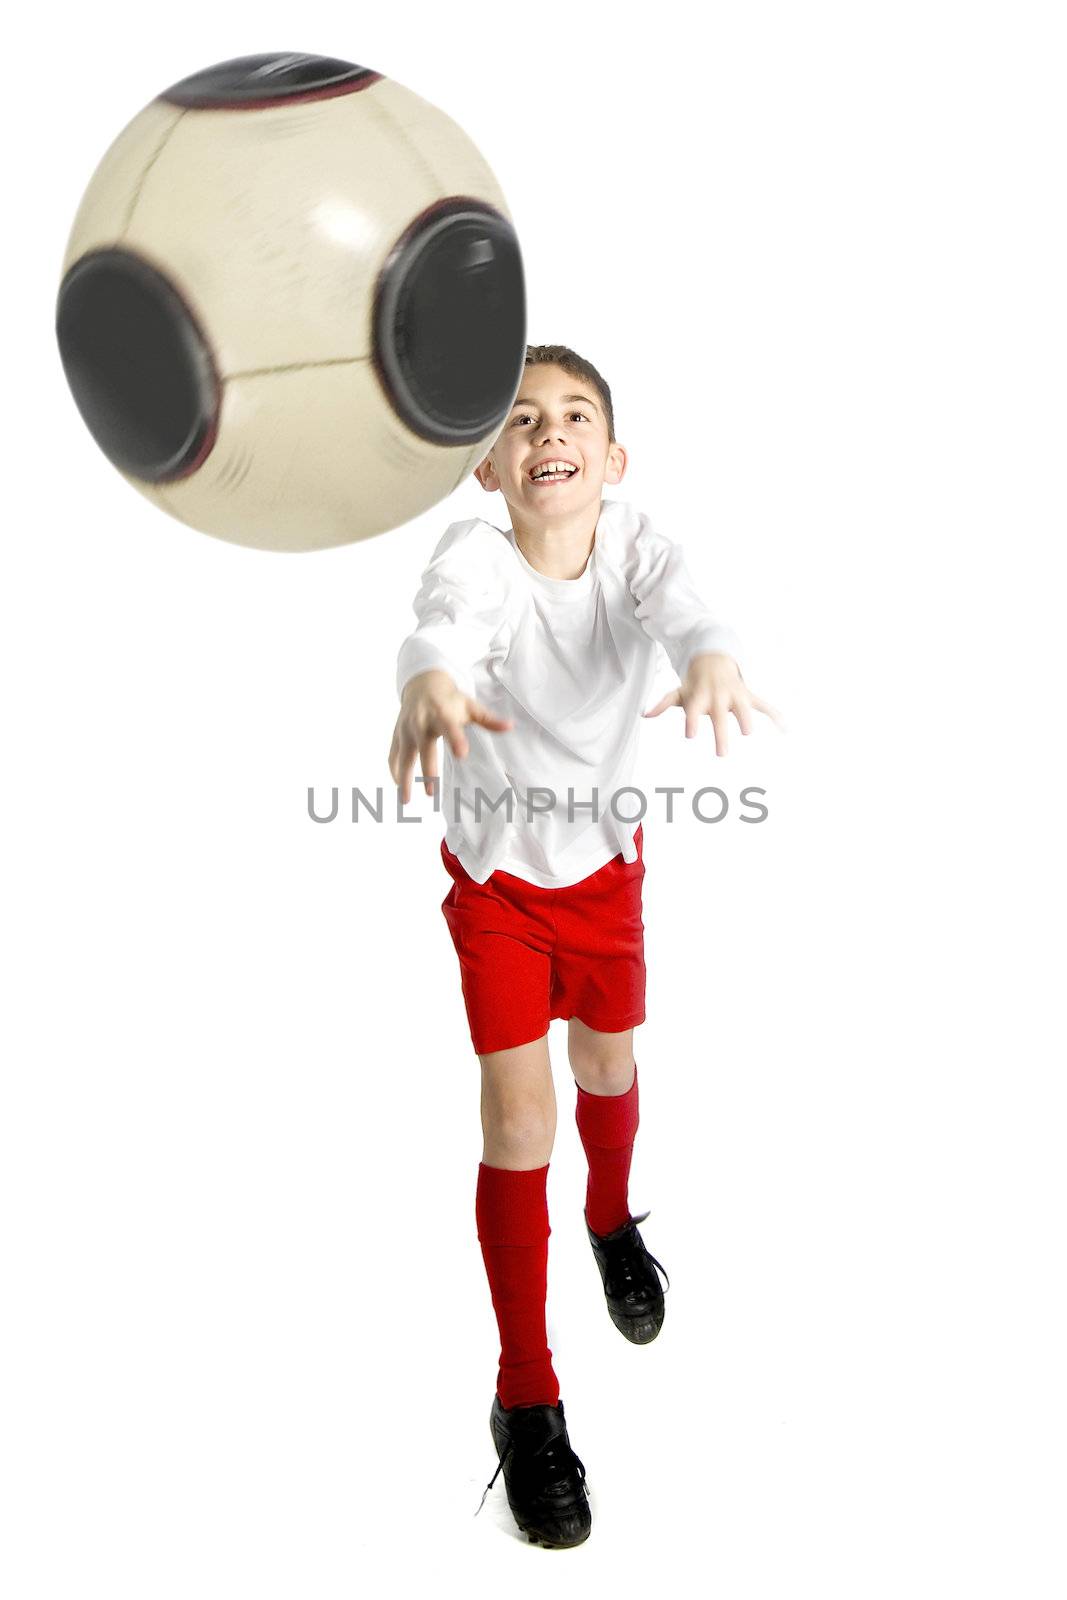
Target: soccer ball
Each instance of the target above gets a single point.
(292, 311)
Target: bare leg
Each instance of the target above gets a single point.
(602, 1063)
(518, 1106)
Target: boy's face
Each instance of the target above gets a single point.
(556, 417)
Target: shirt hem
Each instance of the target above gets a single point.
(528, 874)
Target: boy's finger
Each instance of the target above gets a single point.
(768, 711)
(741, 712)
(396, 760)
(673, 698)
(487, 718)
(718, 722)
(457, 739)
(428, 761)
(404, 770)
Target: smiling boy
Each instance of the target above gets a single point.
(533, 657)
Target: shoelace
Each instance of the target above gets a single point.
(560, 1459)
(621, 1271)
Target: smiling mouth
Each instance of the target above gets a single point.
(553, 477)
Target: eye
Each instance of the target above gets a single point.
(524, 416)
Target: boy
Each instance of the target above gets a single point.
(540, 642)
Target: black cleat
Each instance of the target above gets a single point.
(631, 1287)
(543, 1478)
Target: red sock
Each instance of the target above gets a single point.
(607, 1124)
(511, 1209)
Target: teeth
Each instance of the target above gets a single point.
(554, 469)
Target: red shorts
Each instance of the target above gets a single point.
(528, 954)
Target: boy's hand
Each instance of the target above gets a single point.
(713, 683)
(431, 705)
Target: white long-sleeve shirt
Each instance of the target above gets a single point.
(571, 661)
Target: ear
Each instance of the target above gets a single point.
(485, 473)
(615, 465)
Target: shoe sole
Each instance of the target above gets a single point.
(639, 1330)
(534, 1535)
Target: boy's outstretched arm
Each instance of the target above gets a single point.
(430, 706)
(459, 606)
(713, 684)
(702, 651)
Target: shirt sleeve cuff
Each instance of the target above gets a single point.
(709, 637)
(421, 655)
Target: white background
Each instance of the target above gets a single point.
(248, 1346)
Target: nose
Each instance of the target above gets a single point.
(548, 433)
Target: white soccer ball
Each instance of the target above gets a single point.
(292, 311)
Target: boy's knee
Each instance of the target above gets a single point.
(520, 1136)
(602, 1063)
(614, 1080)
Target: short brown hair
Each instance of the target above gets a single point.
(560, 355)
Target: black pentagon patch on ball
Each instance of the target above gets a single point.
(450, 322)
(138, 366)
(256, 81)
